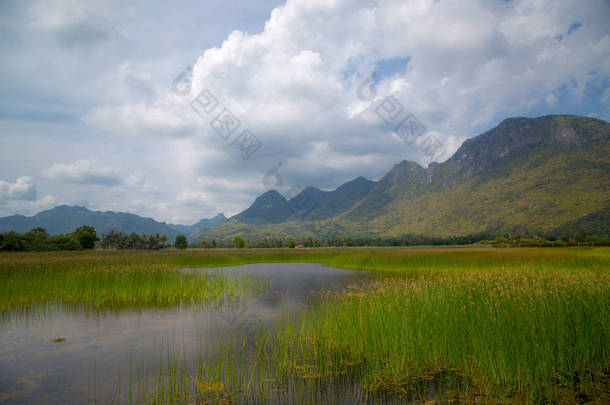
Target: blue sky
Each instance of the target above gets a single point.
(88, 115)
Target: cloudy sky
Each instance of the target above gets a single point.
(180, 110)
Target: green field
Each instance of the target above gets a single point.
(508, 325)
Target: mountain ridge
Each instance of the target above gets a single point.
(65, 218)
(544, 174)
(502, 161)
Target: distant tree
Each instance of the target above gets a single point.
(12, 241)
(213, 243)
(86, 236)
(291, 244)
(345, 241)
(72, 244)
(118, 240)
(593, 240)
(239, 242)
(500, 240)
(154, 242)
(580, 237)
(180, 242)
(137, 242)
(35, 239)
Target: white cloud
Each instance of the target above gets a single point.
(21, 189)
(470, 62)
(84, 172)
(294, 84)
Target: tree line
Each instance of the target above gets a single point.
(405, 240)
(579, 239)
(85, 237)
(38, 239)
(133, 241)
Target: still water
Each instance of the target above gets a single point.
(58, 355)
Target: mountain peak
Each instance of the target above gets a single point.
(516, 135)
(404, 171)
(269, 207)
(356, 184)
(271, 194)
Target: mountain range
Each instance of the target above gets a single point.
(549, 174)
(65, 219)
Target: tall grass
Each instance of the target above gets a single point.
(31, 283)
(507, 334)
(524, 323)
(520, 325)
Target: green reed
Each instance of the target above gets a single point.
(514, 325)
(509, 335)
(31, 283)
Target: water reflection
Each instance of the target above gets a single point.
(52, 354)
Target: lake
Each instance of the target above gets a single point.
(54, 354)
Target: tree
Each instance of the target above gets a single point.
(213, 243)
(72, 244)
(291, 244)
(136, 242)
(180, 242)
(86, 236)
(239, 242)
(500, 240)
(35, 239)
(580, 237)
(12, 241)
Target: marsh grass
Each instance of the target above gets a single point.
(507, 335)
(523, 324)
(509, 325)
(32, 284)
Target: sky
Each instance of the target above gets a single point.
(181, 110)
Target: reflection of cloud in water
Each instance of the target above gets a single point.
(291, 282)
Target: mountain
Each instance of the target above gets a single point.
(549, 174)
(65, 219)
(546, 174)
(205, 223)
(315, 204)
(269, 208)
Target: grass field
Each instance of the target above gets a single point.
(520, 325)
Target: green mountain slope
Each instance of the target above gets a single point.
(537, 191)
(543, 174)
